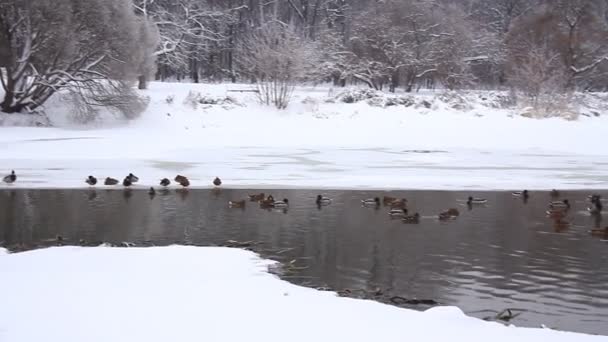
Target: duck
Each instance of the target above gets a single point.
(127, 181)
(110, 181)
(554, 193)
(236, 204)
(267, 203)
(413, 219)
(556, 213)
(387, 200)
(565, 204)
(322, 200)
(11, 178)
(371, 202)
(400, 203)
(524, 194)
(91, 180)
(449, 214)
(133, 178)
(471, 200)
(596, 208)
(257, 197)
(152, 192)
(281, 204)
(182, 180)
(398, 213)
(165, 182)
(217, 181)
(599, 231)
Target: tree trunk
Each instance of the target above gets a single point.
(394, 81)
(143, 82)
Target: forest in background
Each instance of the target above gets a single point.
(93, 48)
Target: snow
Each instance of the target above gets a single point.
(313, 144)
(180, 293)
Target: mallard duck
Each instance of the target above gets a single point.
(387, 200)
(411, 219)
(127, 181)
(523, 194)
(236, 204)
(556, 213)
(257, 197)
(165, 182)
(599, 231)
(322, 200)
(133, 178)
(91, 180)
(152, 192)
(596, 208)
(471, 200)
(554, 193)
(110, 181)
(217, 181)
(267, 203)
(371, 202)
(565, 204)
(281, 204)
(397, 213)
(400, 203)
(9, 179)
(449, 214)
(182, 180)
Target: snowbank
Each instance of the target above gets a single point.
(206, 294)
(380, 141)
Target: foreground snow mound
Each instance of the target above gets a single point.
(206, 294)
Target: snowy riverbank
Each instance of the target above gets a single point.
(459, 142)
(184, 294)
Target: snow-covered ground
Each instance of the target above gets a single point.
(460, 142)
(183, 294)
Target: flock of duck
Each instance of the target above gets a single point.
(557, 209)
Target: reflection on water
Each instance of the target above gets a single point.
(506, 254)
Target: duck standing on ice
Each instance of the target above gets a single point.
(10, 179)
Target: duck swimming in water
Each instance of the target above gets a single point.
(565, 204)
(398, 213)
(471, 200)
(236, 204)
(524, 194)
(281, 204)
(449, 214)
(257, 197)
(597, 207)
(412, 219)
(371, 202)
(321, 200)
(400, 203)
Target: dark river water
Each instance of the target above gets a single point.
(506, 254)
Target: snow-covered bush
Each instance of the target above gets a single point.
(193, 99)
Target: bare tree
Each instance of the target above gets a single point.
(276, 57)
(72, 45)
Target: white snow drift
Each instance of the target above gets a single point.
(185, 294)
(429, 141)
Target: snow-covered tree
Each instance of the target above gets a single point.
(277, 58)
(86, 46)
